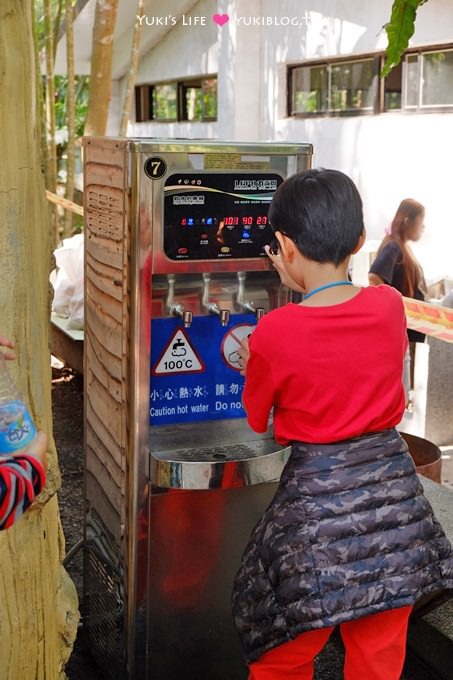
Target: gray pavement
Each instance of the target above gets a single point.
(447, 467)
(329, 665)
(431, 638)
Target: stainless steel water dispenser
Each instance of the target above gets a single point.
(176, 275)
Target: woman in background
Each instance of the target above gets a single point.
(396, 265)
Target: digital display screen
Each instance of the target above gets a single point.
(217, 216)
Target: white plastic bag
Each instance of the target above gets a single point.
(68, 284)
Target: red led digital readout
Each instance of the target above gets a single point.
(228, 221)
(248, 220)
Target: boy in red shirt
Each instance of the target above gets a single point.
(349, 538)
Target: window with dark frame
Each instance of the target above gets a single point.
(199, 99)
(336, 87)
(310, 86)
(185, 100)
(428, 80)
(164, 102)
(411, 81)
(392, 89)
(353, 85)
(423, 81)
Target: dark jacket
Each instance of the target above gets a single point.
(349, 533)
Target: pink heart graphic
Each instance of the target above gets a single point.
(220, 19)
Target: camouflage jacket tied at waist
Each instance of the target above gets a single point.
(349, 533)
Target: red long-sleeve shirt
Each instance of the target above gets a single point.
(329, 373)
(21, 479)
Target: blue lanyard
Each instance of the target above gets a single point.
(328, 285)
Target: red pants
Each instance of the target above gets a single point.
(375, 649)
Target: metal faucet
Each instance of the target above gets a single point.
(247, 305)
(213, 307)
(176, 308)
(187, 318)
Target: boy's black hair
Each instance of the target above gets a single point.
(321, 211)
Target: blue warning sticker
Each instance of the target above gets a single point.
(195, 373)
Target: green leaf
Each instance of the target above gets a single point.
(399, 30)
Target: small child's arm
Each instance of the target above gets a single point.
(4, 342)
(22, 475)
(22, 478)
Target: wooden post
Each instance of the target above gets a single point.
(38, 601)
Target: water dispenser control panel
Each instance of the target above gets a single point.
(216, 216)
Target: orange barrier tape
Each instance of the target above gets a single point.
(428, 318)
(69, 205)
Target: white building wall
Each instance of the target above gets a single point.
(184, 51)
(116, 107)
(391, 156)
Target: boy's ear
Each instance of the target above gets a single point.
(287, 246)
(360, 242)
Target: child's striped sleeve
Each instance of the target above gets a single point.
(21, 480)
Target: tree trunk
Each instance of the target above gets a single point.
(41, 117)
(51, 168)
(57, 24)
(51, 178)
(70, 111)
(38, 601)
(125, 116)
(101, 67)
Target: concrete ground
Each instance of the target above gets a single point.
(447, 466)
(431, 636)
(329, 665)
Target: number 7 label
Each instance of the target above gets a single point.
(155, 167)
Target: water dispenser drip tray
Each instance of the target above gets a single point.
(232, 465)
